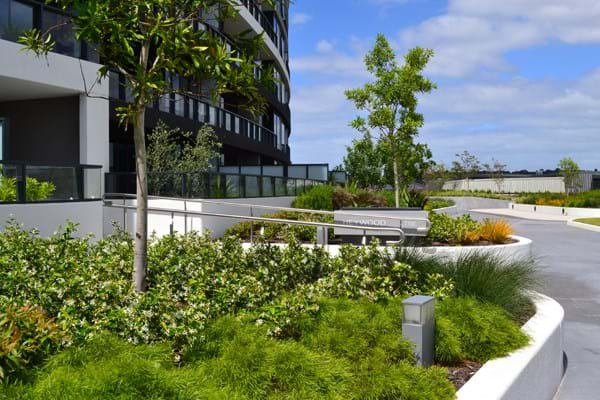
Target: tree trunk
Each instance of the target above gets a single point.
(141, 220)
(396, 183)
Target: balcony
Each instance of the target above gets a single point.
(33, 183)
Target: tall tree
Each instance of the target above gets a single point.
(465, 167)
(435, 176)
(391, 103)
(571, 174)
(495, 170)
(152, 42)
(363, 162)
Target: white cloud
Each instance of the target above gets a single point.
(476, 34)
(325, 46)
(300, 18)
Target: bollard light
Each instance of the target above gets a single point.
(418, 326)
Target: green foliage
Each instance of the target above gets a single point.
(27, 337)
(453, 230)
(466, 166)
(391, 101)
(173, 153)
(319, 197)
(487, 278)
(589, 199)
(467, 329)
(435, 204)
(469, 193)
(570, 172)
(35, 190)
(364, 162)
(280, 232)
(590, 221)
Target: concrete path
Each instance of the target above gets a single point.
(507, 212)
(569, 259)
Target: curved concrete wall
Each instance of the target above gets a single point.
(513, 251)
(534, 372)
(510, 185)
(562, 211)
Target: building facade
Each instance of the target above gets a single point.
(58, 126)
(45, 116)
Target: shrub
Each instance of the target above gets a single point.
(434, 204)
(27, 337)
(35, 190)
(485, 277)
(481, 331)
(317, 198)
(496, 231)
(453, 230)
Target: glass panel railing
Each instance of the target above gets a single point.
(9, 174)
(232, 186)
(280, 187)
(291, 187)
(51, 183)
(267, 186)
(23, 183)
(251, 186)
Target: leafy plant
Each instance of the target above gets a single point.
(27, 337)
(453, 230)
(35, 190)
(319, 197)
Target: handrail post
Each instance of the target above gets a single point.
(172, 222)
(185, 216)
(21, 183)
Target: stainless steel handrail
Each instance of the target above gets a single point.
(276, 208)
(185, 213)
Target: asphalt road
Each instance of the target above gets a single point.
(569, 260)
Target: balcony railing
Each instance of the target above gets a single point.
(197, 110)
(275, 34)
(210, 185)
(34, 183)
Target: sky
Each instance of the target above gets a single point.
(517, 80)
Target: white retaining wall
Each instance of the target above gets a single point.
(534, 372)
(160, 222)
(513, 251)
(563, 211)
(48, 217)
(510, 185)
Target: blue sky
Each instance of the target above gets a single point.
(518, 80)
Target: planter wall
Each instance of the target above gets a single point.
(521, 249)
(534, 372)
(563, 211)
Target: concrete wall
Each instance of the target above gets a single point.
(26, 77)
(160, 222)
(534, 372)
(510, 185)
(47, 217)
(563, 211)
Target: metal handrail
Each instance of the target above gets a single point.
(276, 208)
(185, 213)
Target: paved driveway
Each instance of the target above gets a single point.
(569, 260)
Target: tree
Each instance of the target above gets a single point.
(465, 167)
(173, 153)
(435, 176)
(151, 43)
(391, 103)
(496, 171)
(363, 162)
(570, 172)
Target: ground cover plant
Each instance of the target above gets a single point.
(589, 199)
(469, 193)
(590, 221)
(301, 314)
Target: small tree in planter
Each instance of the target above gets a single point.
(149, 42)
(466, 167)
(391, 102)
(496, 171)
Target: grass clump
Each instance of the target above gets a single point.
(590, 199)
(485, 277)
(471, 330)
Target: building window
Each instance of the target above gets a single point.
(63, 35)
(2, 139)
(15, 18)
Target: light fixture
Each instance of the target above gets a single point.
(418, 326)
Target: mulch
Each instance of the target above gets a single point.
(460, 374)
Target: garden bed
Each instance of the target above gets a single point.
(310, 322)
